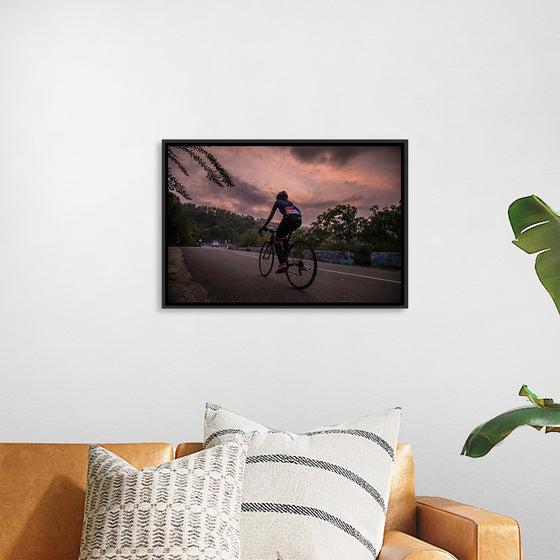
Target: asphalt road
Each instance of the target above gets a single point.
(234, 277)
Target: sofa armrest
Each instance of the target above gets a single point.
(467, 532)
(401, 546)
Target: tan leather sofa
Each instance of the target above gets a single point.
(42, 492)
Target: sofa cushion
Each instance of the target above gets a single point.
(186, 509)
(322, 494)
(401, 510)
(42, 492)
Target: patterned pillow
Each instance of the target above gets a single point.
(313, 496)
(185, 509)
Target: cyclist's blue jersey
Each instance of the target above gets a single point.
(287, 208)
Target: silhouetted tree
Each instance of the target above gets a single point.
(335, 226)
(383, 228)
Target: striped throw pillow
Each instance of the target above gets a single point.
(187, 509)
(321, 495)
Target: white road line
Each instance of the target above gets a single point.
(360, 276)
(256, 256)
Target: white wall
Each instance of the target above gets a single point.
(87, 354)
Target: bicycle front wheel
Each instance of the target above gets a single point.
(266, 258)
(302, 265)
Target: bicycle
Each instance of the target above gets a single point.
(301, 261)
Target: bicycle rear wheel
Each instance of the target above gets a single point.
(302, 265)
(266, 258)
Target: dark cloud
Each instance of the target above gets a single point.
(244, 198)
(353, 200)
(335, 156)
(250, 195)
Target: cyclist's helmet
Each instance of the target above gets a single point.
(282, 195)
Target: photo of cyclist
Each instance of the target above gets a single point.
(302, 224)
(291, 220)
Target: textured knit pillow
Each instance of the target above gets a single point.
(187, 509)
(321, 495)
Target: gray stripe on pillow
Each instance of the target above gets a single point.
(361, 433)
(315, 463)
(221, 433)
(312, 512)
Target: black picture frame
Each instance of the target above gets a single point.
(196, 274)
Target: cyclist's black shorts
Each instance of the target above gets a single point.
(288, 224)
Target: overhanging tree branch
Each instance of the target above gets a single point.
(215, 172)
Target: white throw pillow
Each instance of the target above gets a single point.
(187, 509)
(321, 495)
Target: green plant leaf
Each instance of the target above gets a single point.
(544, 413)
(536, 227)
(541, 403)
(483, 438)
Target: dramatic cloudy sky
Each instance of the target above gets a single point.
(315, 177)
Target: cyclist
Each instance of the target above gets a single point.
(291, 220)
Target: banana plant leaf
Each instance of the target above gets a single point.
(537, 401)
(543, 413)
(536, 227)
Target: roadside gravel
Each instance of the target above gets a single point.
(181, 288)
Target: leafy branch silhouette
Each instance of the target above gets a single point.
(215, 172)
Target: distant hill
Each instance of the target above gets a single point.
(220, 224)
(189, 222)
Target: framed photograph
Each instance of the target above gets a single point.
(284, 223)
